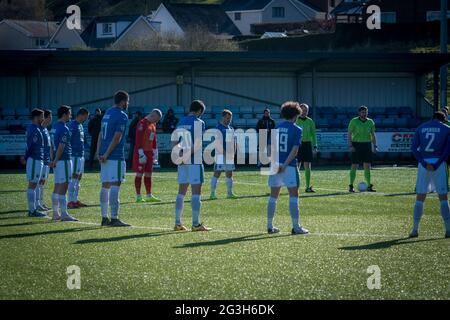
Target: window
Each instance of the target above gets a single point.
(237, 16)
(435, 15)
(107, 28)
(388, 17)
(40, 42)
(278, 12)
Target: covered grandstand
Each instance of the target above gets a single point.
(333, 84)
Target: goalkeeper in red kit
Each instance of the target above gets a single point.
(146, 155)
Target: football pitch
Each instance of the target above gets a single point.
(238, 259)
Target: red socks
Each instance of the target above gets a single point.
(148, 184)
(137, 184)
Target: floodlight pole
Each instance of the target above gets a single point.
(444, 38)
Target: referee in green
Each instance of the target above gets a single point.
(309, 145)
(361, 135)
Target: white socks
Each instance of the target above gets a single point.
(114, 201)
(55, 203)
(63, 205)
(271, 207)
(196, 205)
(418, 213)
(295, 212)
(74, 188)
(229, 182)
(31, 197)
(104, 202)
(179, 204)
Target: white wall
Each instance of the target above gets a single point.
(247, 19)
(168, 23)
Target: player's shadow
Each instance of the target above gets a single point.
(400, 194)
(124, 238)
(46, 233)
(222, 242)
(13, 212)
(385, 244)
(24, 224)
(10, 191)
(326, 195)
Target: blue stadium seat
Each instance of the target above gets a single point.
(247, 116)
(178, 109)
(322, 122)
(251, 123)
(406, 111)
(392, 111)
(9, 113)
(402, 122)
(239, 123)
(211, 123)
(246, 109)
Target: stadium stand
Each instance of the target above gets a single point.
(327, 118)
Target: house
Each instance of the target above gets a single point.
(26, 34)
(399, 11)
(65, 38)
(177, 18)
(246, 13)
(103, 32)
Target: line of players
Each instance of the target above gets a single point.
(298, 142)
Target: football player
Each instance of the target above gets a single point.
(190, 171)
(221, 165)
(77, 143)
(431, 147)
(289, 140)
(62, 165)
(111, 154)
(146, 155)
(34, 158)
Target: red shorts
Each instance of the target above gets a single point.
(142, 168)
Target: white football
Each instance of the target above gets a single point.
(362, 187)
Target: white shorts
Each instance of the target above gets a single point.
(45, 172)
(191, 174)
(289, 178)
(113, 171)
(63, 171)
(224, 167)
(34, 170)
(432, 181)
(78, 165)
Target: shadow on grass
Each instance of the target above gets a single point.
(123, 238)
(221, 242)
(400, 194)
(13, 212)
(23, 224)
(11, 191)
(46, 233)
(385, 244)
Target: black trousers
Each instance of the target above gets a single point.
(93, 150)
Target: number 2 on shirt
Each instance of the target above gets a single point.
(431, 136)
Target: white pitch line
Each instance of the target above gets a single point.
(320, 234)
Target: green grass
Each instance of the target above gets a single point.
(238, 260)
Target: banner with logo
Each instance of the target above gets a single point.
(386, 141)
(13, 144)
